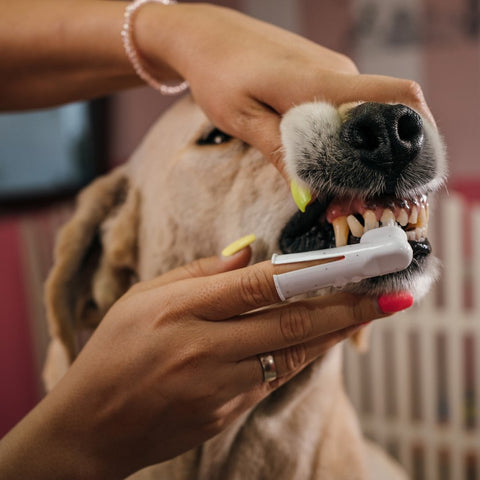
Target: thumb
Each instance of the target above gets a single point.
(268, 141)
(202, 267)
(262, 131)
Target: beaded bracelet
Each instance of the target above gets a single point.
(132, 52)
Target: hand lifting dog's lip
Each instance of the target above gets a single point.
(366, 165)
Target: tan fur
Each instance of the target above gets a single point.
(84, 283)
(173, 202)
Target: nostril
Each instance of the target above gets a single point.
(409, 128)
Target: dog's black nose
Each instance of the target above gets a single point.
(385, 136)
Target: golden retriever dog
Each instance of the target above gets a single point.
(189, 190)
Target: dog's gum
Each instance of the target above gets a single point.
(346, 206)
(412, 217)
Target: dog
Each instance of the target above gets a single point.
(190, 189)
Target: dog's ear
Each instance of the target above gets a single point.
(95, 263)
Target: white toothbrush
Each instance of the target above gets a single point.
(380, 251)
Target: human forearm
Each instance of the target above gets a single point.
(41, 447)
(56, 51)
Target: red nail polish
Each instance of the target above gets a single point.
(395, 302)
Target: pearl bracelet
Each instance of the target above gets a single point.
(133, 54)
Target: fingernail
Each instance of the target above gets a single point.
(395, 302)
(238, 245)
(301, 195)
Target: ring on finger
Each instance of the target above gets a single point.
(269, 369)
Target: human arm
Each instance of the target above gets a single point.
(57, 51)
(244, 73)
(172, 364)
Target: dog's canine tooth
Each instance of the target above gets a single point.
(355, 226)
(340, 227)
(402, 217)
(422, 217)
(413, 215)
(371, 221)
(388, 218)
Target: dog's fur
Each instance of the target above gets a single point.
(183, 196)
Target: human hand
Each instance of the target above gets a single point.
(245, 74)
(172, 364)
(174, 361)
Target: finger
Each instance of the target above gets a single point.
(379, 88)
(294, 324)
(293, 359)
(338, 88)
(224, 296)
(199, 268)
(266, 138)
(262, 129)
(289, 362)
(204, 267)
(259, 126)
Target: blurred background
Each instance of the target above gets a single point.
(418, 388)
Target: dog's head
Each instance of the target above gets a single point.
(367, 165)
(190, 189)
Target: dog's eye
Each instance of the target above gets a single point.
(214, 137)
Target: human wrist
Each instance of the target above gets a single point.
(137, 59)
(156, 31)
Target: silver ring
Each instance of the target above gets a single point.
(269, 369)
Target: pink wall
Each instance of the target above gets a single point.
(17, 378)
(452, 79)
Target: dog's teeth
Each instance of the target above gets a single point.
(340, 227)
(387, 217)
(411, 235)
(355, 226)
(402, 217)
(413, 215)
(422, 217)
(371, 221)
(420, 233)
